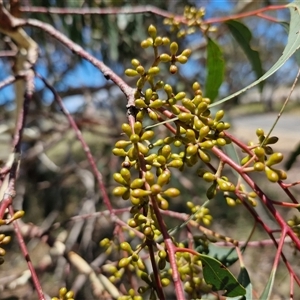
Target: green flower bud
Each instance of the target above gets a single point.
(140, 70)
(135, 62)
(137, 183)
(131, 72)
(204, 156)
(230, 201)
(274, 159)
(138, 127)
(126, 129)
(153, 71)
(119, 191)
(62, 292)
(153, 115)
(134, 138)
(168, 89)
(163, 204)
(187, 103)
(156, 104)
(203, 132)
(124, 262)
(166, 41)
(245, 160)
(209, 177)
(148, 232)
(191, 150)
(175, 109)
(260, 153)
(158, 41)
(163, 178)
(147, 135)
(219, 115)
(196, 85)
(212, 191)
(181, 59)
(185, 117)
(176, 163)
(122, 144)
(174, 48)
(126, 247)
(271, 174)
(206, 145)
(180, 96)
(139, 193)
(171, 192)
(149, 177)
(119, 179)
(119, 152)
(152, 31)
(147, 43)
(139, 103)
(165, 282)
(259, 132)
(259, 166)
(125, 174)
(155, 189)
(165, 57)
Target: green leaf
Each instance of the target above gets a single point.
(243, 36)
(286, 26)
(217, 275)
(226, 255)
(215, 70)
(268, 289)
(292, 46)
(244, 280)
(292, 158)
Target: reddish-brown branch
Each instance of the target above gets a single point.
(148, 9)
(86, 148)
(107, 72)
(256, 12)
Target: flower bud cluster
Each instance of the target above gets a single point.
(193, 19)
(64, 294)
(264, 158)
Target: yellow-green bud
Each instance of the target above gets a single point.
(174, 48)
(131, 72)
(165, 57)
(154, 71)
(171, 192)
(119, 191)
(152, 31)
(185, 117)
(126, 129)
(274, 159)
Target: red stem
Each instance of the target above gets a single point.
(85, 146)
(245, 14)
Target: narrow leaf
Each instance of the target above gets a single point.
(268, 289)
(215, 70)
(244, 36)
(217, 275)
(292, 46)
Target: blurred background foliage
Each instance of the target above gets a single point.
(55, 181)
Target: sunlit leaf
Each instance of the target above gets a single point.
(243, 36)
(292, 46)
(221, 279)
(215, 70)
